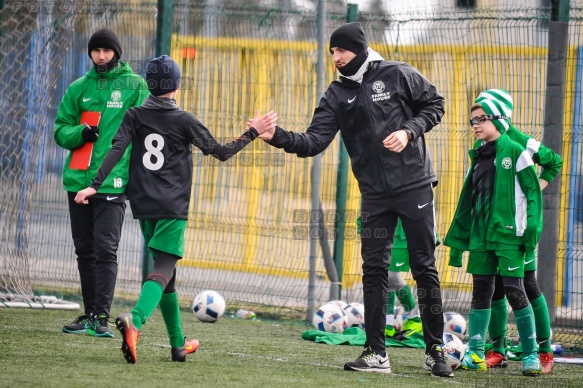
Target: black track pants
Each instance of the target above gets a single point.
(96, 230)
(379, 221)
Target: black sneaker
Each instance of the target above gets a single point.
(83, 324)
(435, 362)
(179, 354)
(369, 361)
(101, 327)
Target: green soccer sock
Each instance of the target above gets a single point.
(478, 326)
(497, 326)
(391, 303)
(542, 323)
(526, 330)
(171, 314)
(406, 298)
(147, 302)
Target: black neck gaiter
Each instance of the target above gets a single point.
(352, 67)
(108, 66)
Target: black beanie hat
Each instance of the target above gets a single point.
(104, 38)
(162, 75)
(349, 36)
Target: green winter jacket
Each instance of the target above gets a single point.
(516, 219)
(550, 162)
(111, 94)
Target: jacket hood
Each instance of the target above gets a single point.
(153, 102)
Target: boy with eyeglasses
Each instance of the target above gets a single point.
(550, 163)
(498, 220)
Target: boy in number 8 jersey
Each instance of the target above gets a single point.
(161, 135)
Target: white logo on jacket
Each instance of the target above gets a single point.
(507, 163)
(379, 87)
(115, 96)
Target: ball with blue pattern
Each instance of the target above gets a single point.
(208, 306)
(330, 318)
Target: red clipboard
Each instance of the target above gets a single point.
(81, 157)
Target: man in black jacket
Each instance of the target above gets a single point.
(383, 110)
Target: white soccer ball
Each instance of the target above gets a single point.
(338, 303)
(330, 318)
(455, 324)
(208, 306)
(355, 314)
(454, 350)
(400, 317)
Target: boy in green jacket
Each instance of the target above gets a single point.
(498, 220)
(551, 164)
(109, 88)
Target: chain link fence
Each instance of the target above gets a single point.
(248, 229)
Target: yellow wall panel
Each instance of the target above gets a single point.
(245, 213)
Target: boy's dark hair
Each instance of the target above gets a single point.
(475, 106)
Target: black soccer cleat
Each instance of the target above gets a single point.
(179, 354)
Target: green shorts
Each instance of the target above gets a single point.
(529, 264)
(506, 263)
(399, 260)
(164, 235)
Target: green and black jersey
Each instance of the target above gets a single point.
(161, 135)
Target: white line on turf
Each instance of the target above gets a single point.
(282, 359)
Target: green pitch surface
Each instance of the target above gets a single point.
(232, 352)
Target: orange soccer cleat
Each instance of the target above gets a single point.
(129, 335)
(496, 360)
(546, 361)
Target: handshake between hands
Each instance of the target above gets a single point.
(264, 125)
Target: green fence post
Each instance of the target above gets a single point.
(163, 46)
(341, 187)
(553, 139)
(164, 28)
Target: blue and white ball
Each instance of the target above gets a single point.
(330, 318)
(339, 303)
(355, 313)
(208, 306)
(454, 350)
(455, 323)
